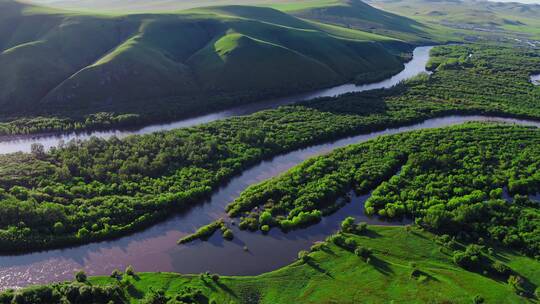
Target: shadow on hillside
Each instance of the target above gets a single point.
(318, 268)
(380, 265)
(359, 15)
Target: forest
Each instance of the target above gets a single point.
(98, 189)
(471, 182)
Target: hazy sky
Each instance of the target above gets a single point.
(522, 1)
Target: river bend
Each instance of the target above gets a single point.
(155, 249)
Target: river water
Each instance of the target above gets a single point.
(155, 249)
(535, 79)
(412, 68)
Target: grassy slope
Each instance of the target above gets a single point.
(112, 62)
(341, 277)
(359, 15)
(486, 15)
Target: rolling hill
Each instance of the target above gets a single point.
(485, 16)
(55, 61)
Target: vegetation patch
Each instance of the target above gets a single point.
(205, 232)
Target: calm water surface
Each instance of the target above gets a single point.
(535, 79)
(412, 68)
(155, 249)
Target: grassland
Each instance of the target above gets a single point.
(507, 20)
(405, 266)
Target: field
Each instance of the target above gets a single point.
(405, 265)
(507, 20)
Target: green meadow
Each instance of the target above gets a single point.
(404, 266)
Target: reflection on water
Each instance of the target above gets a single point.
(155, 249)
(412, 68)
(535, 79)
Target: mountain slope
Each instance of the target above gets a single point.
(513, 19)
(359, 15)
(170, 63)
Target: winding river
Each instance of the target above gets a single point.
(155, 249)
(412, 68)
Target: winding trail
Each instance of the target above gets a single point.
(155, 249)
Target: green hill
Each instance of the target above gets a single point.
(359, 15)
(63, 62)
(403, 267)
(509, 19)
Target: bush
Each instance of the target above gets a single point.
(117, 274)
(80, 276)
(303, 256)
(347, 225)
(265, 218)
(500, 268)
(361, 227)
(248, 223)
(516, 282)
(155, 297)
(470, 258)
(362, 252)
(130, 271)
(228, 234)
(478, 299)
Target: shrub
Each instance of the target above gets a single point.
(130, 271)
(478, 299)
(228, 234)
(500, 268)
(303, 256)
(265, 218)
(361, 227)
(317, 246)
(80, 276)
(347, 225)
(215, 277)
(58, 228)
(362, 252)
(516, 282)
(470, 258)
(248, 223)
(117, 274)
(155, 297)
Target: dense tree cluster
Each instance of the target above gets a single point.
(451, 180)
(96, 121)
